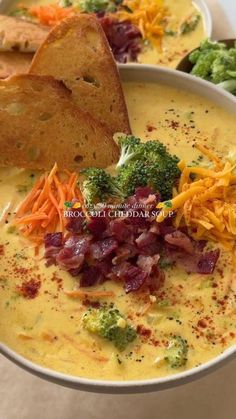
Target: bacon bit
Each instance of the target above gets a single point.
(142, 331)
(202, 323)
(86, 351)
(94, 304)
(150, 128)
(29, 289)
(2, 251)
(89, 294)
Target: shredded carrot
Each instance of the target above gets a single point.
(43, 209)
(25, 337)
(51, 14)
(85, 350)
(206, 205)
(89, 294)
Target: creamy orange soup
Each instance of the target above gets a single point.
(201, 308)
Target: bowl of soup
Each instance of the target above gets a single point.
(148, 32)
(41, 322)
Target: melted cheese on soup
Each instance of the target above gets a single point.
(48, 330)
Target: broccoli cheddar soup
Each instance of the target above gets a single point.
(134, 294)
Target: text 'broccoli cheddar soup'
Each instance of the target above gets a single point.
(96, 302)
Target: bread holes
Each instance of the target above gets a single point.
(78, 159)
(94, 155)
(15, 47)
(45, 116)
(91, 80)
(19, 145)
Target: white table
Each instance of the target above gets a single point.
(23, 396)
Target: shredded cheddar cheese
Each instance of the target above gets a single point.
(207, 203)
(148, 15)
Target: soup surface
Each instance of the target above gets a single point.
(200, 308)
(171, 47)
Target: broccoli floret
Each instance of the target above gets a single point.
(132, 176)
(194, 56)
(152, 166)
(229, 86)
(130, 148)
(222, 66)
(92, 6)
(109, 324)
(207, 45)
(203, 66)
(99, 185)
(214, 62)
(177, 352)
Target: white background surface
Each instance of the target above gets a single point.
(23, 396)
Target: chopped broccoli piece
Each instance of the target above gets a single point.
(19, 12)
(109, 324)
(95, 6)
(207, 44)
(177, 352)
(203, 66)
(130, 148)
(99, 185)
(214, 62)
(190, 24)
(222, 65)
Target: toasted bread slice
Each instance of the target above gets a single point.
(77, 52)
(19, 35)
(14, 63)
(39, 124)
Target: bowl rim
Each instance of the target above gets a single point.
(206, 13)
(144, 385)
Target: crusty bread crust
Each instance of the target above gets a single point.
(77, 52)
(13, 63)
(40, 125)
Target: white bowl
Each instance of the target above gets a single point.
(143, 73)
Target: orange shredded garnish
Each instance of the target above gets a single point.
(43, 209)
(148, 15)
(51, 14)
(89, 294)
(207, 204)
